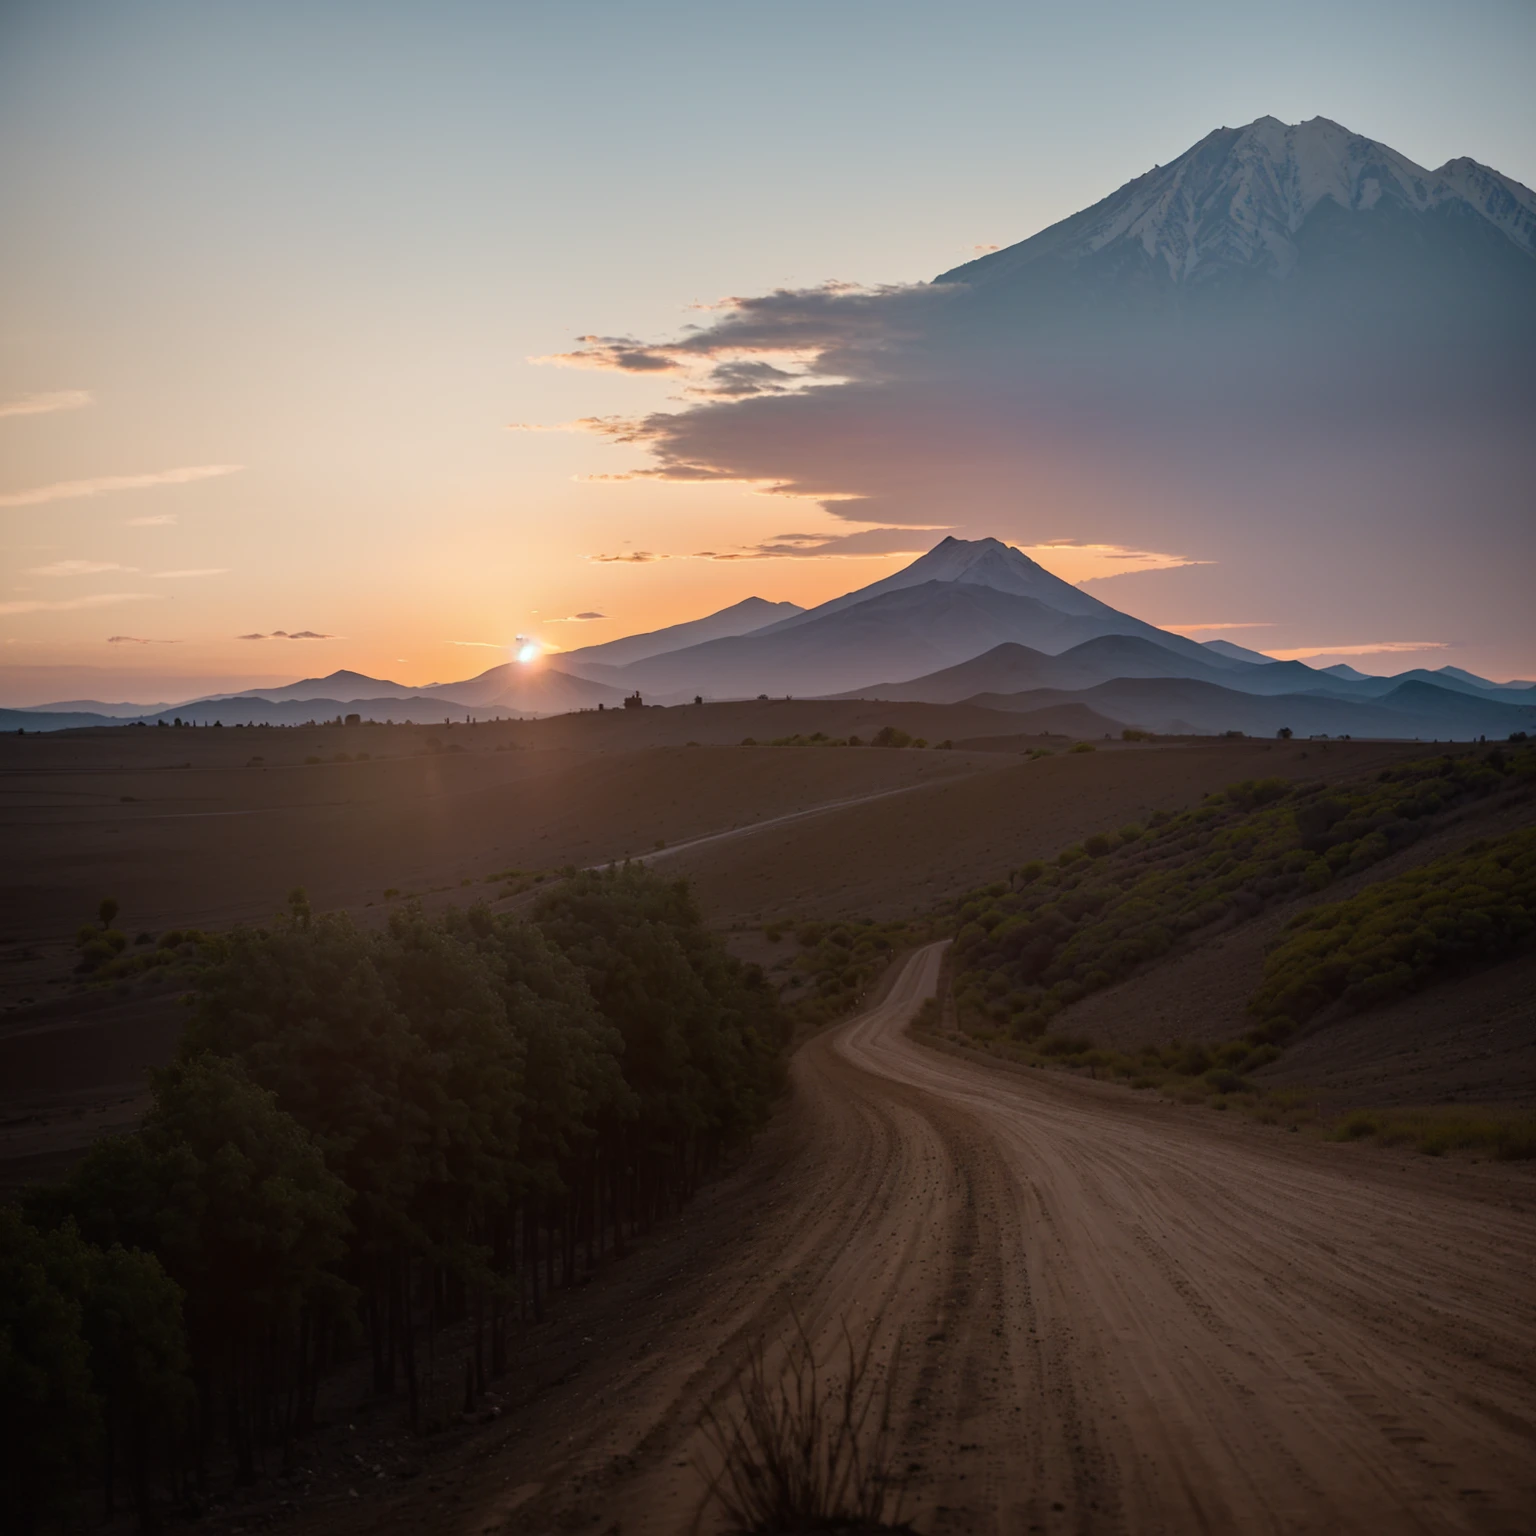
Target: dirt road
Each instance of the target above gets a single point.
(1117, 1316)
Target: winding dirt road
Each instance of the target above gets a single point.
(1117, 1315)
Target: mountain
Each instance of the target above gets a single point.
(44, 718)
(1008, 668)
(1462, 676)
(960, 599)
(92, 707)
(911, 630)
(242, 709)
(1262, 201)
(1230, 652)
(535, 688)
(739, 619)
(1182, 706)
(978, 562)
(1441, 677)
(338, 687)
(1348, 673)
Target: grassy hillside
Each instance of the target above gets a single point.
(1452, 915)
(1107, 909)
(1027, 947)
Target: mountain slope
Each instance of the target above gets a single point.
(741, 618)
(979, 562)
(339, 687)
(534, 687)
(984, 594)
(910, 630)
(1239, 200)
(1008, 668)
(1179, 706)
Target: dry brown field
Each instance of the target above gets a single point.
(212, 827)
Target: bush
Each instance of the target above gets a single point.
(1395, 937)
(1436, 1131)
(795, 1454)
(1114, 904)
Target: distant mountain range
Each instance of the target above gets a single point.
(969, 622)
(1304, 270)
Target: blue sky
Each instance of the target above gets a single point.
(310, 250)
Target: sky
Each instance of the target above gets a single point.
(282, 284)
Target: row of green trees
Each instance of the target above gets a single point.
(367, 1135)
(1053, 933)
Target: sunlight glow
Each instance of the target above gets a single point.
(528, 650)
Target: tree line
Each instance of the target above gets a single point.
(366, 1135)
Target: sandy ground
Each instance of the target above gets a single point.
(1114, 1316)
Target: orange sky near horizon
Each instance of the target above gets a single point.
(278, 280)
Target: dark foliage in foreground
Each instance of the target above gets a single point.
(801, 1447)
(367, 1135)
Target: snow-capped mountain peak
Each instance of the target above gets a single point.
(1239, 197)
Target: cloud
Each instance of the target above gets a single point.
(1375, 648)
(77, 568)
(1191, 629)
(158, 520)
(69, 604)
(1318, 463)
(581, 424)
(623, 353)
(69, 490)
(1079, 562)
(484, 645)
(46, 404)
(137, 640)
(864, 544)
(279, 634)
(213, 570)
(577, 618)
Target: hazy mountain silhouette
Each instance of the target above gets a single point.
(1179, 706)
(751, 613)
(960, 599)
(1009, 668)
(535, 687)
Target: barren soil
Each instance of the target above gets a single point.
(1114, 1315)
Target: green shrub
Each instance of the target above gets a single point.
(1469, 909)
(1441, 1129)
(1110, 906)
